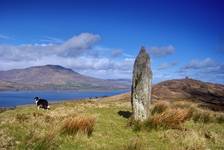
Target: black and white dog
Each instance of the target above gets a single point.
(41, 103)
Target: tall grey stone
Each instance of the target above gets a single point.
(141, 86)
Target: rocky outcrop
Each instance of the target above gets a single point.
(141, 86)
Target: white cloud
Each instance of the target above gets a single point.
(4, 37)
(200, 64)
(117, 53)
(78, 53)
(161, 51)
(206, 69)
(82, 41)
(73, 47)
(167, 65)
(49, 39)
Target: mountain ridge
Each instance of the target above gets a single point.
(54, 77)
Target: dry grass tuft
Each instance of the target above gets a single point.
(185, 140)
(172, 115)
(135, 144)
(75, 124)
(202, 116)
(21, 117)
(6, 142)
(193, 141)
(171, 118)
(48, 118)
(37, 114)
(47, 140)
(160, 107)
(220, 118)
(206, 116)
(182, 104)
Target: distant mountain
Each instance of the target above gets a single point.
(52, 77)
(189, 89)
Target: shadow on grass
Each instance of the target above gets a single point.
(125, 114)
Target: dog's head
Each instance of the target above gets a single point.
(36, 99)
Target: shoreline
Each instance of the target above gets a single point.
(50, 101)
(64, 90)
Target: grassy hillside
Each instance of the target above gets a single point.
(106, 124)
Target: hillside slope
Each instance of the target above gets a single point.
(190, 89)
(54, 77)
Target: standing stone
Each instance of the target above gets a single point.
(141, 86)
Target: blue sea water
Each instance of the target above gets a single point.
(15, 98)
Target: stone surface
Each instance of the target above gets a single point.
(141, 86)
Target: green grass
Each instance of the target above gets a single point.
(29, 128)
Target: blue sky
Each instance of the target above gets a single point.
(102, 38)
